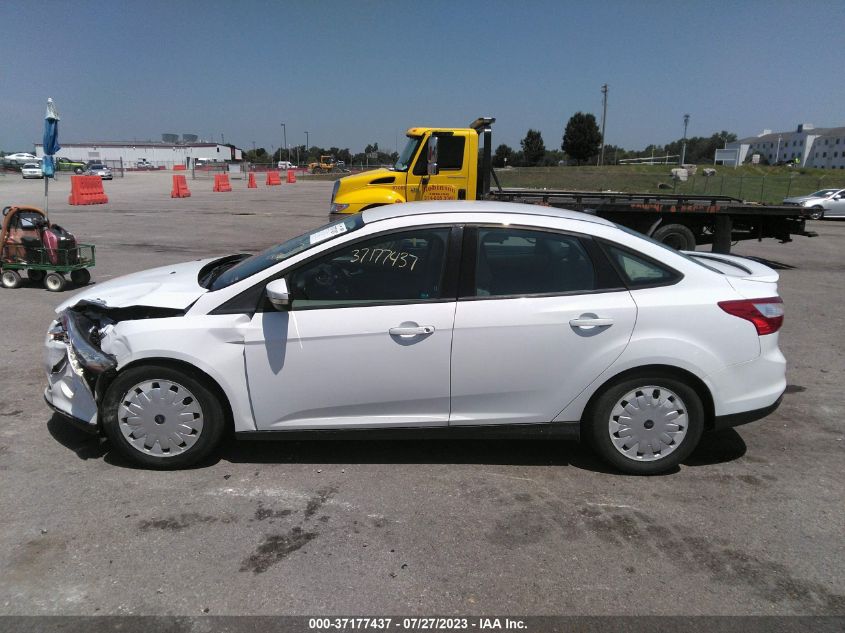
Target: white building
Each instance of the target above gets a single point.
(154, 153)
(822, 148)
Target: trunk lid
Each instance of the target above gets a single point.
(748, 277)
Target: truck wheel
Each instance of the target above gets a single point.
(54, 282)
(11, 279)
(35, 275)
(676, 236)
(80, 277)
(817, 213)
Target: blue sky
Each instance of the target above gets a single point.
(357, 72)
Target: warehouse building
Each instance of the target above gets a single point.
(149, 153)
(821, 148)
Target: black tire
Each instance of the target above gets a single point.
(36, 276)
(11, 279)
(214, 419)
(54, 282)
(78, 170)
(596, 426)
(80, 277)
(817, 213)
(677, 236)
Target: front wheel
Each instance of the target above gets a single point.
(645, 425)
(162, 417)
(817, 213)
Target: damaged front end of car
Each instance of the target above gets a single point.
(80, 361)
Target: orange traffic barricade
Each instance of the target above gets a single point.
(252, 184)
(87, 190)
(291, 175)
(274, 178)
(221, 182)
(179, 168)
(180, 188)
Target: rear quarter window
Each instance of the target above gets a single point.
(639, 271)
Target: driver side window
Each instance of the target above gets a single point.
(396, 268)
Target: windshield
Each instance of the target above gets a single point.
(281, 252)
(404, 160)
(824, 193)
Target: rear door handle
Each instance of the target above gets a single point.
(590, 321)
(411, 331)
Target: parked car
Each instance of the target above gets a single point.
(825, 203)
(143, 163)
(19, 159)
(32, 170)
(450, 319)
(286, 164)
(98, 169)
(66, 164)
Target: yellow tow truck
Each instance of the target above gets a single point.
(454, 164)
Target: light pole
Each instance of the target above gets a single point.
(603, 121)
(777, 155)
(684, 148)
(285, 143)
(307, 142)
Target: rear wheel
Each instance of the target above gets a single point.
(80, 277)
(677, 236)
(54, 282)
(78, 170)
(162, 417)
(11, 279)
(817, 213)
(647, 424)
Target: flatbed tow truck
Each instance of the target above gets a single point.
(441, 164)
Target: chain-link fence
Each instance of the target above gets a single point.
(753, 188)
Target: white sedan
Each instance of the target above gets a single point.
(32, 170)
(449, 319)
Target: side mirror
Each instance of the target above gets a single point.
(432, 155)
(277, 293)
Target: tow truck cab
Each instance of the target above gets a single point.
(436, 164)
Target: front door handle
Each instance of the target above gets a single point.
(418, 330)
(590, 321)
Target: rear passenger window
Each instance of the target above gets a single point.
(638, 271)
(525, 262)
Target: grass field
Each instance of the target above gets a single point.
(753, 183)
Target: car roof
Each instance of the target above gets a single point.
(390, 211)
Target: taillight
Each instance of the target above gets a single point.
(765, 314)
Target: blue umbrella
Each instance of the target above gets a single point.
(51, 145)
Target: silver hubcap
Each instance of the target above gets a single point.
(648, 423)
(161, 418)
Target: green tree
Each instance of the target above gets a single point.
(503, 156)
(581, 138)
(533, 149)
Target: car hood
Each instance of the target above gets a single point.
(174, 286)
(801, 199)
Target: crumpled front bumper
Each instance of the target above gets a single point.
(72, 365)
(67, 393)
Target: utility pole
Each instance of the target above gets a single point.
(603, 121)
(285, 143)
(307, 142)
(684, 147)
